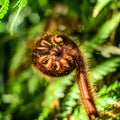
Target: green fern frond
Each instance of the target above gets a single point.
(104, 102)
(4, 4)
(80, 114)
(17, 59)
(100, 4)
(20, 4)
(53, 92)
(70, 100)
(104, 68)
(106, 98)
(63, 82)
(103, 33)
(106, 90)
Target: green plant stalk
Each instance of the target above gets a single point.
(14, 20)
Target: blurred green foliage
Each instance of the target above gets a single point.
(25, 94)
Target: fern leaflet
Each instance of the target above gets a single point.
(103, 33)
(53, 92)
(4, 7)
(106, 90)
(70, 100)
(103, 69)
(21, 3)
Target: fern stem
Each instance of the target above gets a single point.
(85, 92)
(14, 20)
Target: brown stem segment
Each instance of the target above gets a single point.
(85, 91)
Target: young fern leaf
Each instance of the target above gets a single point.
(20, 4)
(4, 5)
(103, 33)
(104, 68)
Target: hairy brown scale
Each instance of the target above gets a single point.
(58, 55)
(55, 55)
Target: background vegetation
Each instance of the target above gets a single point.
(27, 95)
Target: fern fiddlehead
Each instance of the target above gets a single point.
(57, 55)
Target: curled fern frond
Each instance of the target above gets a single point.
(104, 68)
(4, 5)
